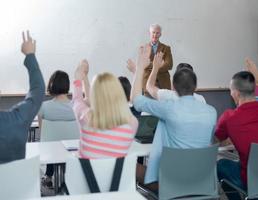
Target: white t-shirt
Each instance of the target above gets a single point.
(164, 94)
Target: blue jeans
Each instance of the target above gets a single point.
(230, 170)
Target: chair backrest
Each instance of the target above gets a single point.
(185, 172)
(103, 171)
(59, 130)
(252, 172)
(147, 128)
(20, 179)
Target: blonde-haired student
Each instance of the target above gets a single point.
(106, 123)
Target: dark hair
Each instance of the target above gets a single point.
(184, 82)
(126, 86)
(59, 83)
(184, 66)
(244, 82)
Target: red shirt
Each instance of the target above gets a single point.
(256, 90)
(241, 126)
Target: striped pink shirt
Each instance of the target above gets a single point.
(96, 143)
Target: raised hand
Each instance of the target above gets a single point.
(28, 45)
(158, 61)
(85, 66)
(250, 65)
(131, 66)
(82, 70)
(143, 59)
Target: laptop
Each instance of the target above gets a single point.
(146, 129)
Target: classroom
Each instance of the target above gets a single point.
(129, 99)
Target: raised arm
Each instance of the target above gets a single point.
(143, 61)
(131, 66)
(251, 67)
(158, 62)
(79, 106)
(28, 108)
(86, 87)
(168, 60)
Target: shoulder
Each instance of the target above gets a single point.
(199, 97)
(227, 114)
(164, 94)
(164, 46)
(48, 103)
(206, 108)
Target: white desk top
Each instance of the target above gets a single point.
(49, 152)
(98, 196)
(55, 152)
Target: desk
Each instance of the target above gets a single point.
(136, 148)
(98, 196)
(50, 153)
(56, 153)
(32, 132)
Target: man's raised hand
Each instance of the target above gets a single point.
(28, 45)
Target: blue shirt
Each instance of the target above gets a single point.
(154, 47)
(184, 123)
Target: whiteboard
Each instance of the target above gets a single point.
(214, 36)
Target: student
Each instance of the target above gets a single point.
(107, 124)
(185, 119)
(59, 108)
(241, 126)
(162, 94)
(165, 94)
(15, 122)
(127, 89)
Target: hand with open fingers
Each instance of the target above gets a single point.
(250, 65)
(143, 59)
(85, 66)
(28, 45)
(82, 70)
(131, 66)
(158, 61)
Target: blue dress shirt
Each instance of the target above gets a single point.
(184, 123)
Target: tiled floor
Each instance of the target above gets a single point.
(45, 191)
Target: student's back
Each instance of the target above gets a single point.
(15, 123)
(189, 123)
(59, 108)
(107, 124)
(184, 123)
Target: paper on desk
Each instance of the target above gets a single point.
(71, 145)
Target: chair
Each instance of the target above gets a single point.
(59, 130)
(103, 170)
(146, 129)
(252, 175)
(188, 173)
(20, 179)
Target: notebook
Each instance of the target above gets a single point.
(71, 145)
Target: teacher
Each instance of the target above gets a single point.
(163, 76)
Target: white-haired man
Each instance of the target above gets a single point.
(163, 76)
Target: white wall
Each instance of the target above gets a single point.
(212, 35)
